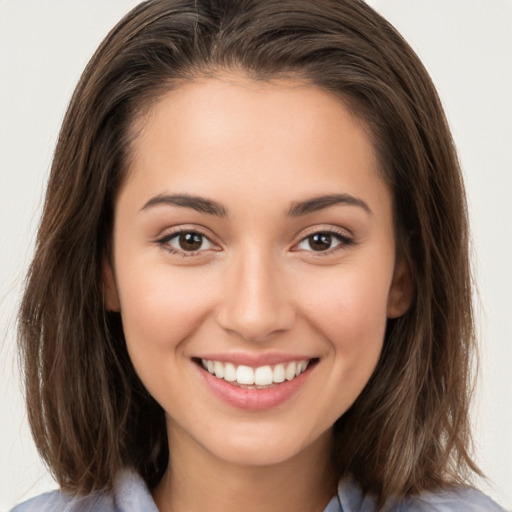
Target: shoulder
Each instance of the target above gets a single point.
(130, 494)
(458, 499)
(58, 501)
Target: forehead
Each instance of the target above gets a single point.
(267, 136)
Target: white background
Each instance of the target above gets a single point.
(467, 47)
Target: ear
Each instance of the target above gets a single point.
(111, 296)
(401, 291)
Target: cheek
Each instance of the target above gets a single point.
(161, 308)
(347, 305)
(349, 310)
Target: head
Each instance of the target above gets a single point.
(90, 413)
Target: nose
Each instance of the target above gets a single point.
(256, 304)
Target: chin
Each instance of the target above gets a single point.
(263, 448)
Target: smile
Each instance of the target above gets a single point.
(242, 383)
(255, 378)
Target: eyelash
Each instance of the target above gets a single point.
(164, 242)
(342, 238)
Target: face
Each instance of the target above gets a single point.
(254, 265)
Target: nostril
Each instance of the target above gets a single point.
(257, 326)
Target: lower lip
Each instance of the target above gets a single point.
(253, 399)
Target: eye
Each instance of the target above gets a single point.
(322, 241)
(186, 242)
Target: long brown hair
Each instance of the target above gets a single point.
(89, 413)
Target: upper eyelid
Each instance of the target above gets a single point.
(176, 230)
(336, 230)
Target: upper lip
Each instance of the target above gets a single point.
(254, 360)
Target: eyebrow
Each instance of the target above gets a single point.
(319, 203)
(199, 204)
(297, 209)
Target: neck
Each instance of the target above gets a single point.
(196, 480)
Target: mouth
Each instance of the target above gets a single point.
(260, 377)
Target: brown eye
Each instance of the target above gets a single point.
(190, 241)
(323, 241)
(320, 241)
(186, 243)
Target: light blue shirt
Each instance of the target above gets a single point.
(130, 494)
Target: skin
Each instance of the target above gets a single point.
(255, 286)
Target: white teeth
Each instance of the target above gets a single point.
(245, 375)
(290, 371)
(279, 373)
(301, 368)
(263, 376)
(219, 369)
(229, 372)
(260, 376)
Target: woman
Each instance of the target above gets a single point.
(237, 280)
